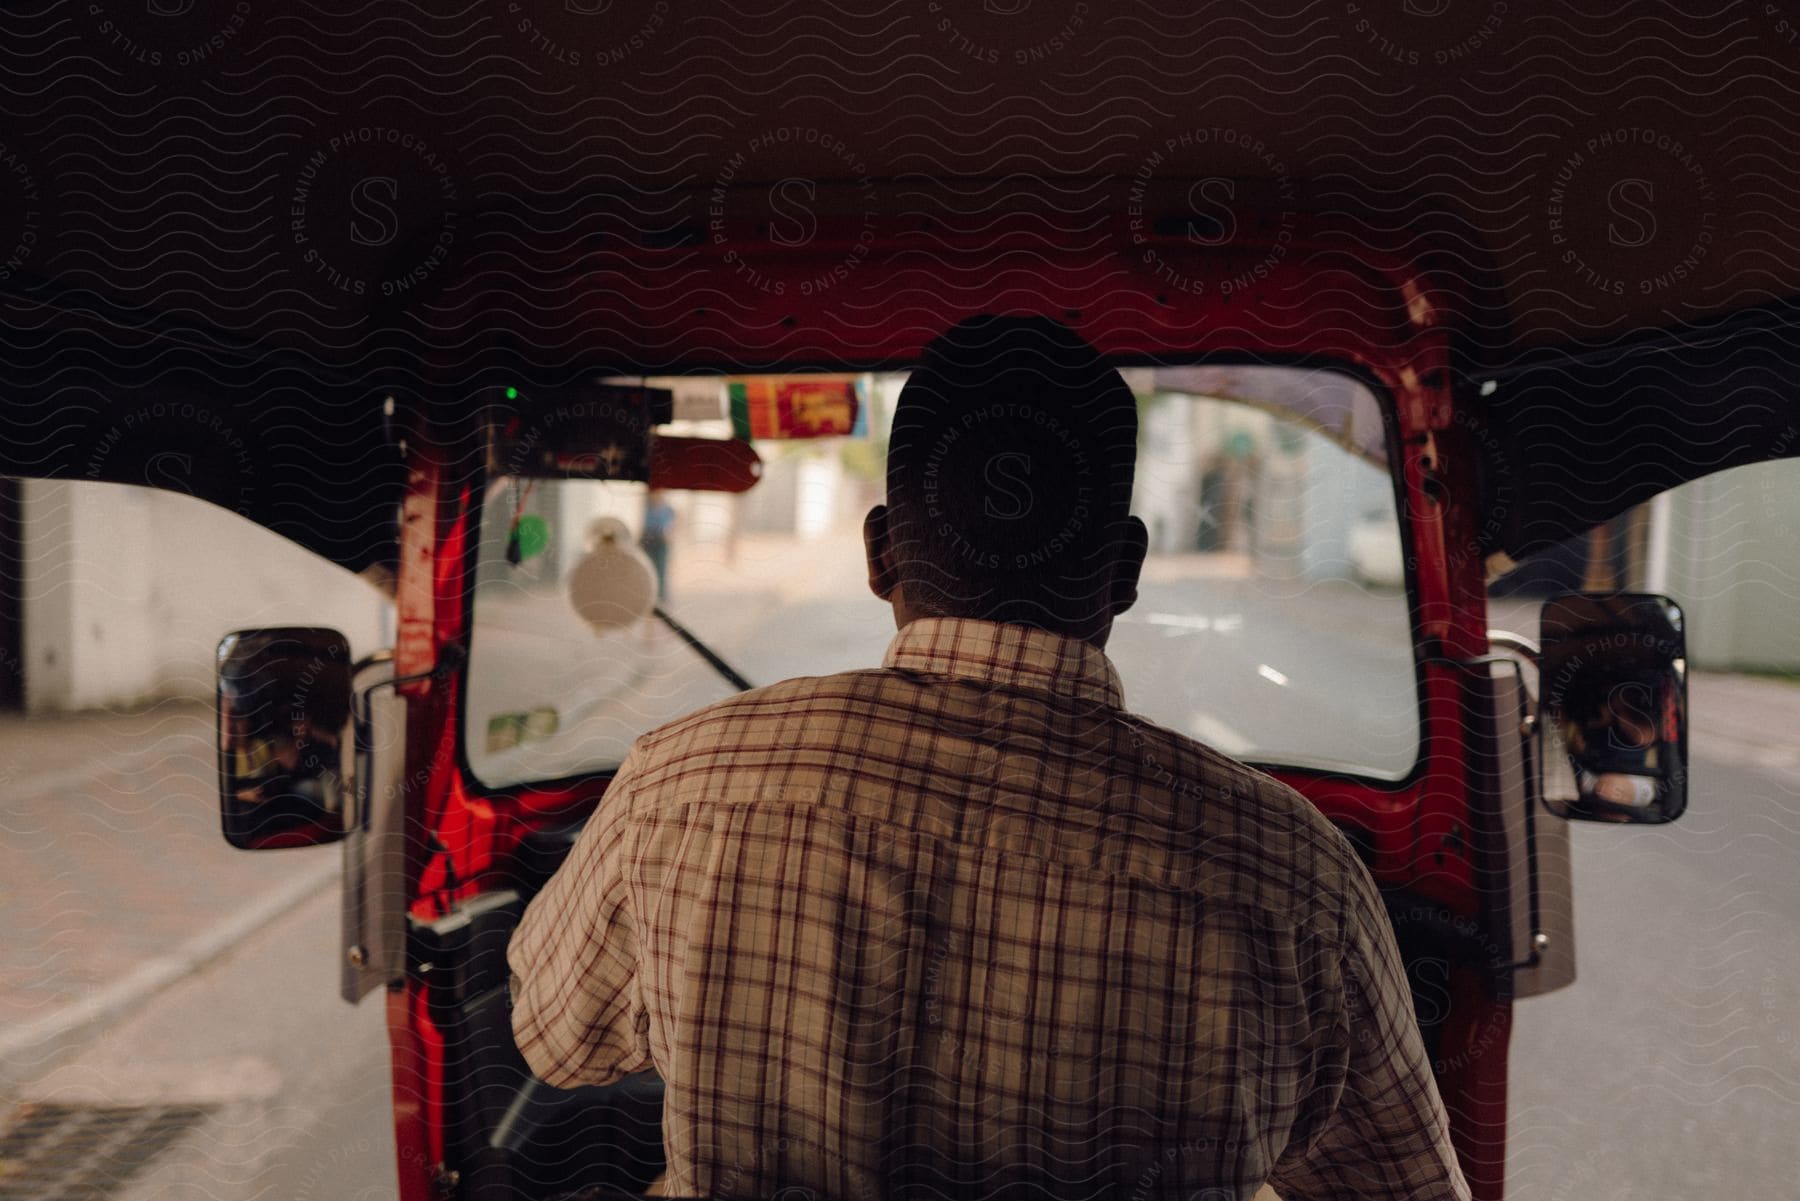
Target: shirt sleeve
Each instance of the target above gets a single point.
(578, 1014)
(1385, 1134)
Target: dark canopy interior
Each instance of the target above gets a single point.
(280, 214)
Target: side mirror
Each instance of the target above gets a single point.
(284, 705)
(1612, 706)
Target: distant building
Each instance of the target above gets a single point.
(1728, 551)
(123, 593)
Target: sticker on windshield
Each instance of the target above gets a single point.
(507, 730)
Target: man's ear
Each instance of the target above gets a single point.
(1134, 544)
(880, 552)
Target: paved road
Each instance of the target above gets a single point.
(298, 1079)
(112, 871)
(1672, 1068)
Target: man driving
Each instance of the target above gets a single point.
(962, 925)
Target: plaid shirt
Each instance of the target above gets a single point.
(963, 926)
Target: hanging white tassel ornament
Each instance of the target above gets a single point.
(614, 585)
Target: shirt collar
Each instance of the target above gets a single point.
(1007, 656)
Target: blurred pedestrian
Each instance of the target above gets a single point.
(659, 525)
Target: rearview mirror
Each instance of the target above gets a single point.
(1612, 700)
(608, 432)
(284, 705)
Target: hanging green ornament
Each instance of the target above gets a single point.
(530, 538)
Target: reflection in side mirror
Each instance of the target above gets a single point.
(284, 704)
(1612, 697)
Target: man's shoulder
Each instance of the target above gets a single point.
(1186, 764)
(792, 703)
(1244, 814)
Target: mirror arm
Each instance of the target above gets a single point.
(359, 719)
(453, 657)
(1517, 643)
(384, 655)
(1517, 647)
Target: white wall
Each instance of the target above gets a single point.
(128, 590)
(1734, 566)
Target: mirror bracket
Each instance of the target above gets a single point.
(1539, 941)
(451, 658)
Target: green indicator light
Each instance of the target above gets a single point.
(512, 394)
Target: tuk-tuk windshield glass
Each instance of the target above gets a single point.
(1272, 620)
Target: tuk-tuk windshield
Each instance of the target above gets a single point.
(1272, 620)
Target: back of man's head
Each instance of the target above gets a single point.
(1009, 476)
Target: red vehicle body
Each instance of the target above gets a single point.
(1440, 835)
(1416, 827)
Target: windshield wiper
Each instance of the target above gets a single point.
(704, 651)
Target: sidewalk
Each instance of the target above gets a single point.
(114, 880)
(1745, 718)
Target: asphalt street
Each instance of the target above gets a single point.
(1670, 1069)
(296, 1080)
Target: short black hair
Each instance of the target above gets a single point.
(1009, 472)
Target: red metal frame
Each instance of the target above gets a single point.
(1325, 299)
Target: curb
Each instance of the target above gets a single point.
(139, 749)
(25, 788)
(30, 1050)
(1756, 722)
(1715, 747)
